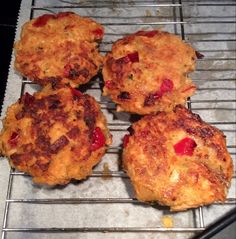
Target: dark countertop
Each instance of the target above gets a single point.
(8, 18)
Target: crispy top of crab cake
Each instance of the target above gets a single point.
(55, 135)
(146, 72)
(178, 160)
(59, 47)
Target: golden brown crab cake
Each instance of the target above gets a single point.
(55, 135)
(59, 47)
(178, 160)
(146, 72)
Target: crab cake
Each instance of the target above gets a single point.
(59, 47)
(178, 160)
(54, 135)
(146, 72)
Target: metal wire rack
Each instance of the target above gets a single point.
(104, 205)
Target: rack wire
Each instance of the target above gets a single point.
(210, 27)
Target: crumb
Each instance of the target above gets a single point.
(148, 13)
(167, 221)
(106, 172)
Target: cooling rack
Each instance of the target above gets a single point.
(104, 206)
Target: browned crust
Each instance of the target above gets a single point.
(50, 135)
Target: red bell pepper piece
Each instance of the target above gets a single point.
(166, 86)
(147, 33)
(13, 139)
(42, 20)
(131, 57)
(98, 33)
(185, 146)
(108, 84)
(63, 14)
(76, 92)
(98, 139)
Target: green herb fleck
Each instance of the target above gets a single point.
(131, 77)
